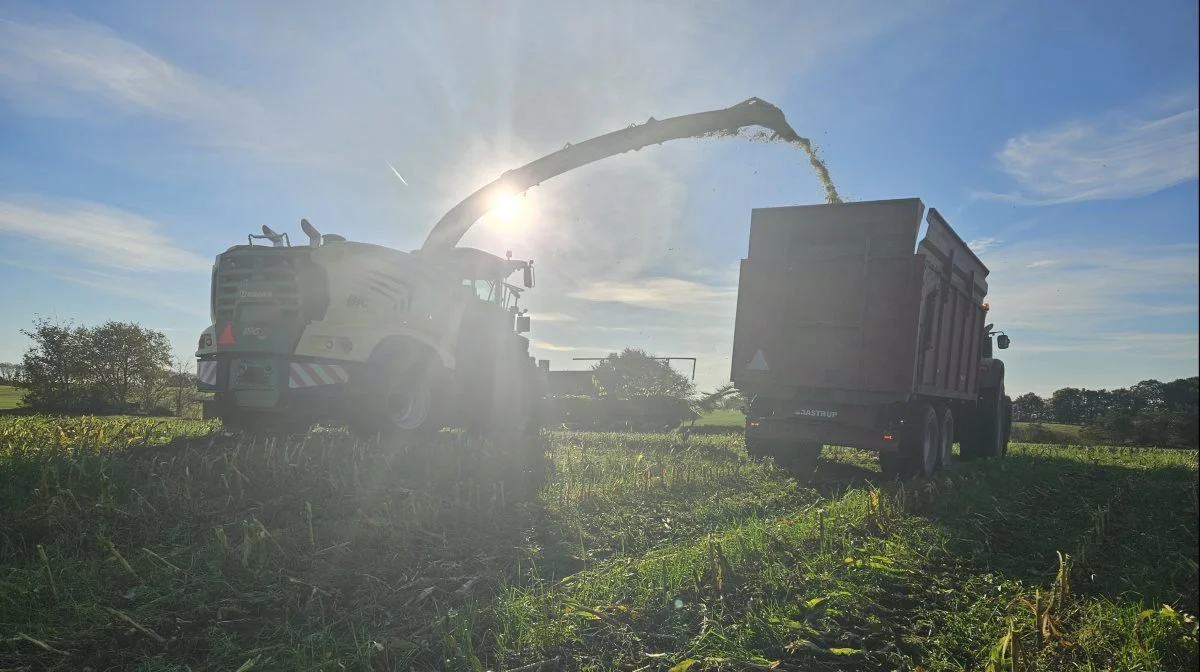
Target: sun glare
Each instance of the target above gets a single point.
(507, 208)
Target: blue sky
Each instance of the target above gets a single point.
(139, 138)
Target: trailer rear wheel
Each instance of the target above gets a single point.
(945, 436)
(797, 458)
(919, 445)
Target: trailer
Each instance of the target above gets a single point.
(850, 333)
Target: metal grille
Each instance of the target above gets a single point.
(257, 286)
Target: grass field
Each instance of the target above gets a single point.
(10, 397)
(722, 418)
(153, 545)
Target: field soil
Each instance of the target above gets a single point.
(150, 544)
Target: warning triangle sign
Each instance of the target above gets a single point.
(227, 337)
(759, 363)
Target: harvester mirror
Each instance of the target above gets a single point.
(1002, 341)
(529, 275)
(522, 324)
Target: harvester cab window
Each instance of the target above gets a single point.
(489, 291)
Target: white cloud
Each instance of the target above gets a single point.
(1093, 298)
(1181, 345)
(555, 317)
(1118, 155)
(62, 66)
(552, 347)
(981, 245)
(670, 294)
(98, 235)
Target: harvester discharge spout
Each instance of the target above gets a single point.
(753, 112)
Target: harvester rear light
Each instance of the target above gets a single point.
(889, 437)
(752, 423)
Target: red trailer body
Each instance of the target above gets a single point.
(844, 323)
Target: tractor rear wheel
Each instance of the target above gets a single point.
(987, 437)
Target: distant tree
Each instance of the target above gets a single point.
(1181, 394)
(10, 372)
(1029, 407)
(184, 383)
(1148, 394)
(116, 366)
(1068, 405)
(634, 373)
(129, 364)
(1150, 413)
(54, 368)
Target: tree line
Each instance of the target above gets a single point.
(1148, 413)
(115, 367)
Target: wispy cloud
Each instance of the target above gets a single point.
(62, 66)
(141, 287)
(555, 317)
(97, 235)
(1090, 294)
(1165, 345)
(981, 245)
(670, 294)
(1117, 155)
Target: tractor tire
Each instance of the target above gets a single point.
(987, 437)
(919, 445)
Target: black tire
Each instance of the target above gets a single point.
(988, 435)
(1007, 425)
(918, 450)
(945, 455)
(404, 396)
(758, 448)
(798, 459)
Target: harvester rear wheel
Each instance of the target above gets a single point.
(403, 397)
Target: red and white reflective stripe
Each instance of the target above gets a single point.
(305, 374)
(206, 372)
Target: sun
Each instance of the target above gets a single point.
(507, 208)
